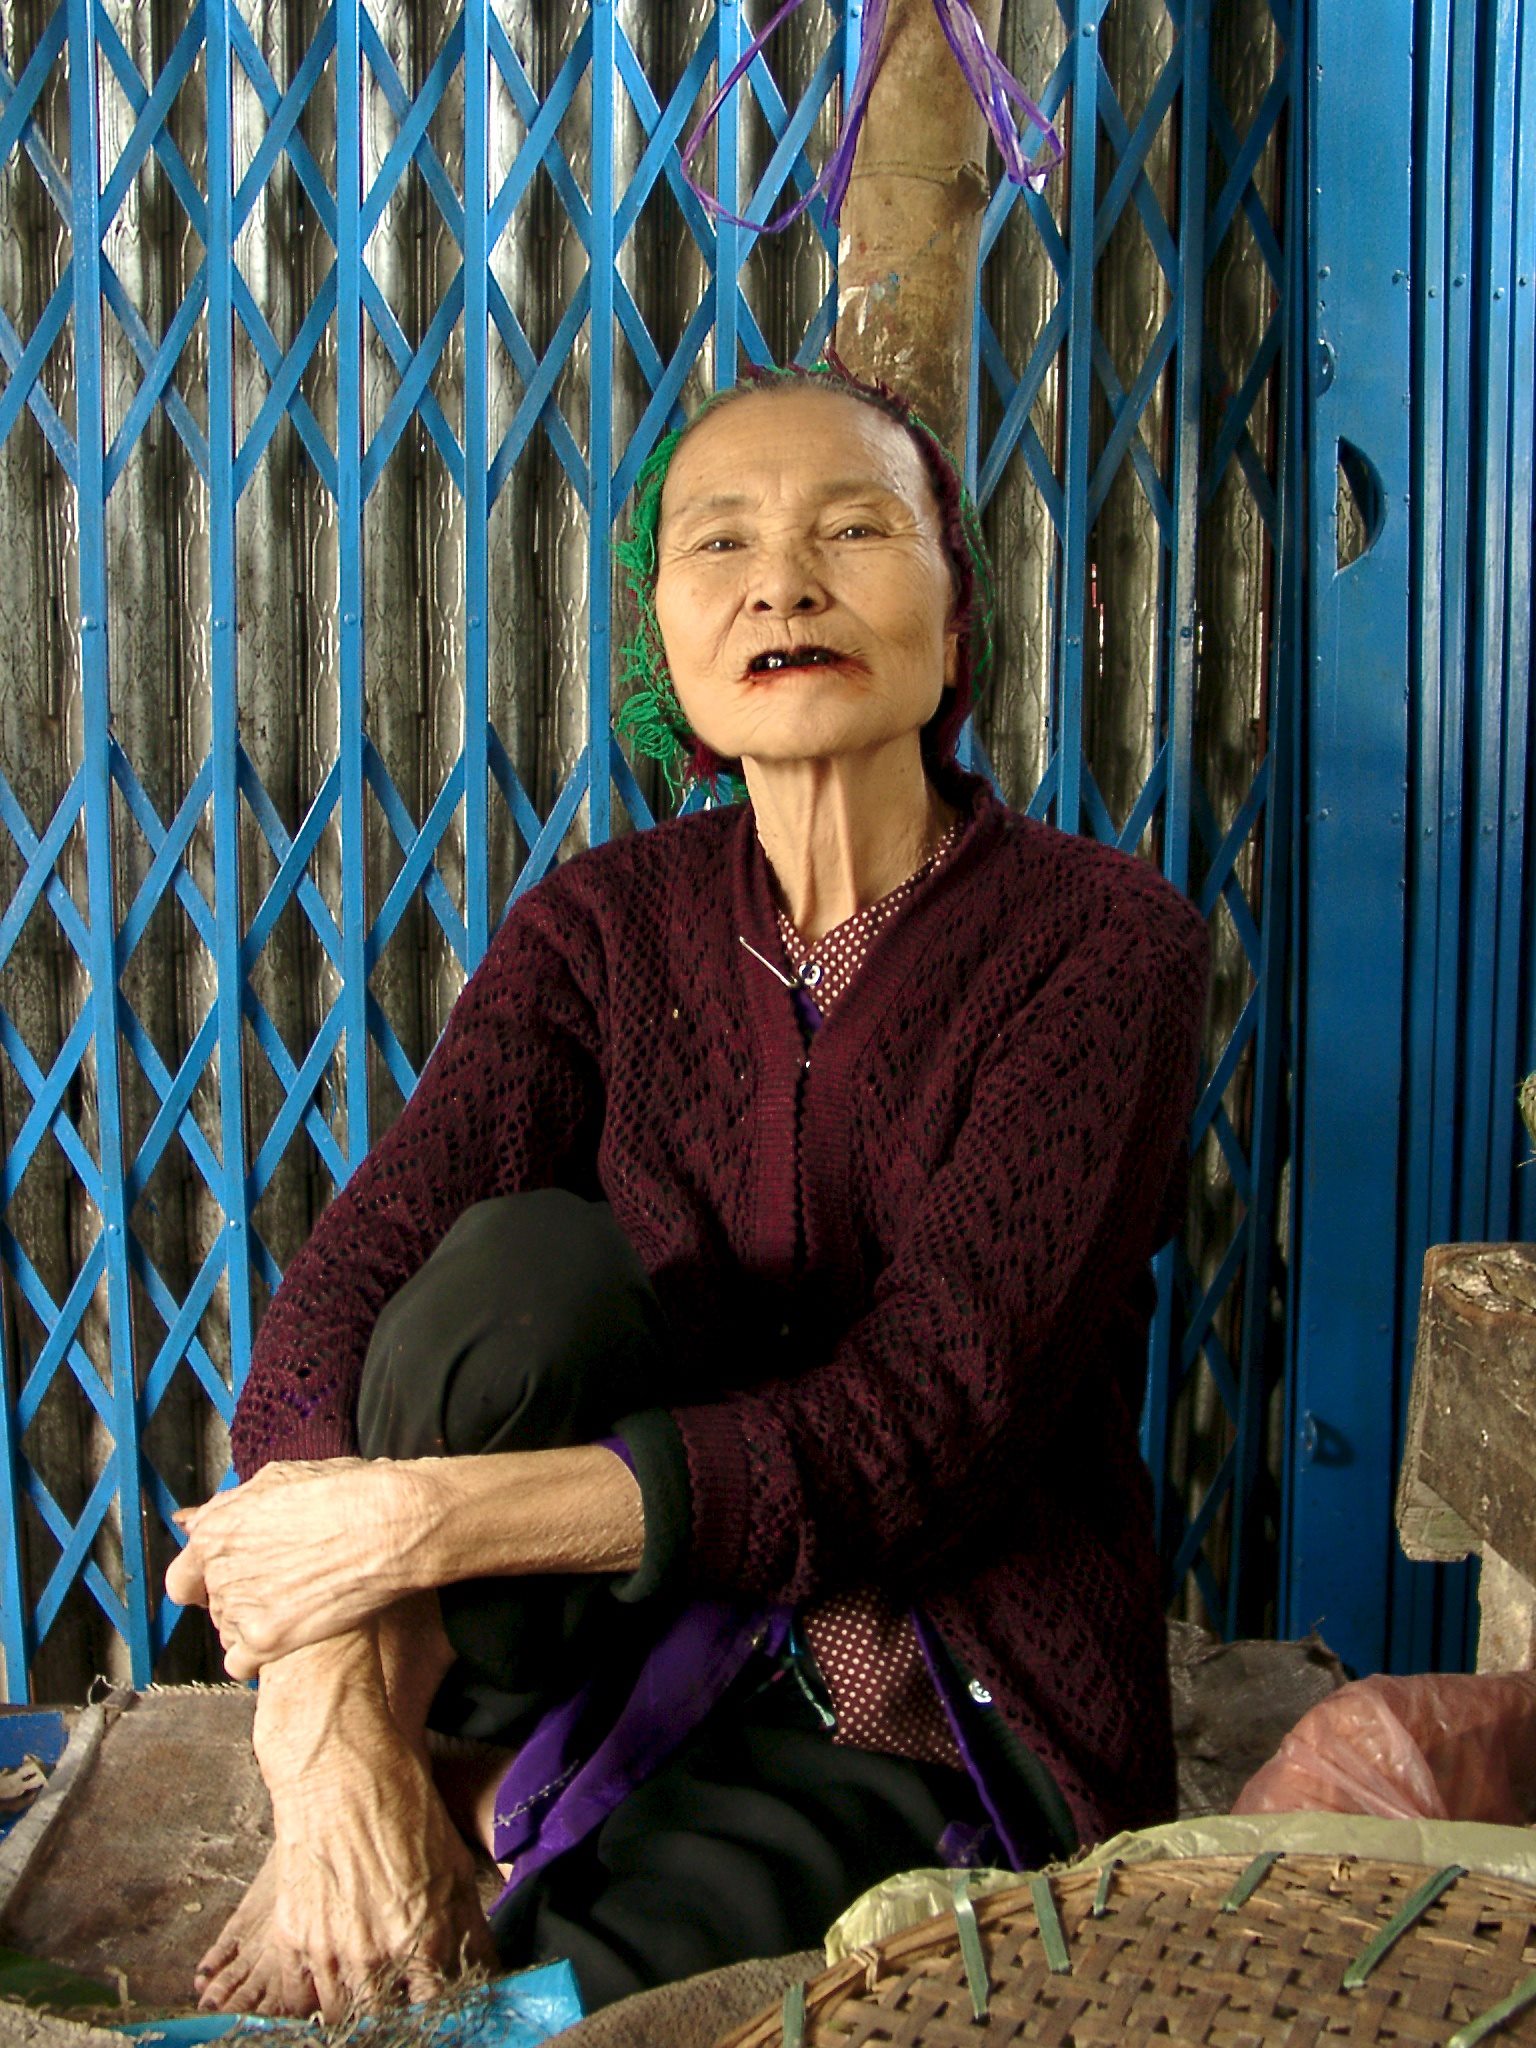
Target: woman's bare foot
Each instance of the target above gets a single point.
(245, 1971)
(247, 1920)
(369, 1893)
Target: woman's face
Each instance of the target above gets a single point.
(803, 590)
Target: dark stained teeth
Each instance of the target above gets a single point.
(811, 657)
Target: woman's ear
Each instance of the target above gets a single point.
(952, 658)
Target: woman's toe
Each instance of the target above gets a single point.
(422, 1982)
(289, 1992)
(222, 1991)
(334, 1996)
(218, 1957)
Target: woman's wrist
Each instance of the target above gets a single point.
(316, 1670)
(520, 1513)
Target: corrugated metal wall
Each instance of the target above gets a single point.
(333, 337)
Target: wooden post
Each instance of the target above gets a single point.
(911, 221)
(1468, 1480)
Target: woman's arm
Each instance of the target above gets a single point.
(510, 1099)
(306, 1551)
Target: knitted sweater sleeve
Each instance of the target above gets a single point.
(510, 1100)
(988, 1325)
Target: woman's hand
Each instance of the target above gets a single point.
(300, 1552)
(306, 1550)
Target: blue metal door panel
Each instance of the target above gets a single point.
(1354, 740)
(1415, 736)
(1519, 594)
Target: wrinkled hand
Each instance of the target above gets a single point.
(301, 1552)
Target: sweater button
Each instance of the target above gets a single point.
(979, 1693)
(810, 973)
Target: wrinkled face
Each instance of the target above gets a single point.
(803, 590)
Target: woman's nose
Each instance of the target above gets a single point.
(786, 581)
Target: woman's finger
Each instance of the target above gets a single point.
(184, 1581)
(241, 1664)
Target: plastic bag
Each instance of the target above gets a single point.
(1447, 1746)
(519, 2011)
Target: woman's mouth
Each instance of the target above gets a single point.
(777, 660)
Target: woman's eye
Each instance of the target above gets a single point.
(856, 529)
(719, 544)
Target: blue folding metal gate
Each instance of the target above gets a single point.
(202, 277)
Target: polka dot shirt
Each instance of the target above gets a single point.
(827, 969)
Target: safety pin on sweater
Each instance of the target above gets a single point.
(777, 972)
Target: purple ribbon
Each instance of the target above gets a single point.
(992, 86)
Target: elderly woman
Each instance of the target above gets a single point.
(744, 1325)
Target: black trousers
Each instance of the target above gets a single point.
(534, 1327)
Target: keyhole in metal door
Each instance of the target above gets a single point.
(1360, 506)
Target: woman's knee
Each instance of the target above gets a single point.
(532, 1326)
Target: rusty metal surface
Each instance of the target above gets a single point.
(1020, 290)
(1237, 574)
(40, 729)
(1133, 292)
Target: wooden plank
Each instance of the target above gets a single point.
(1506, 1633)
(1468, 1478)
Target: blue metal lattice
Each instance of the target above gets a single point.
(350, 391)
(1211, 1322)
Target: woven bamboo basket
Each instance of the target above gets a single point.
(1223, 1952)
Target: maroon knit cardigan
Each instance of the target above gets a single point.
(907, 1275)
